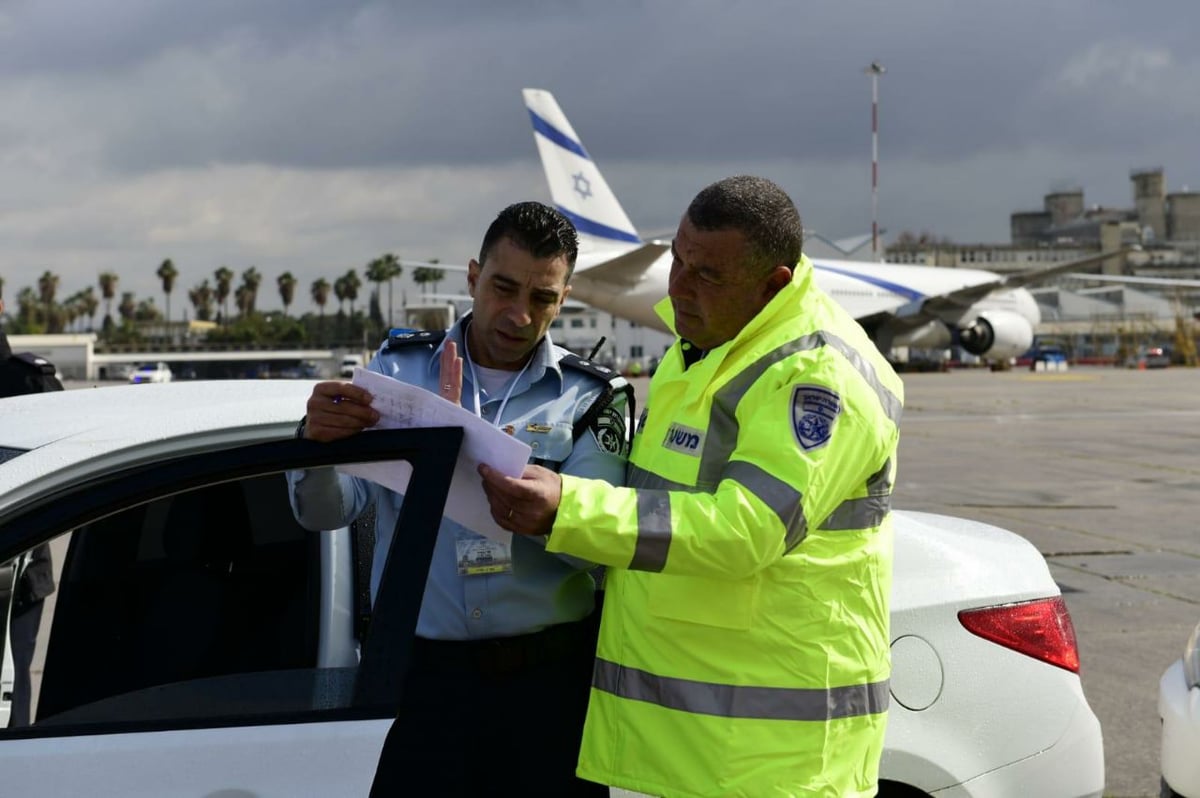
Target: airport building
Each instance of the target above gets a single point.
(1161, 228)
(1160, 231)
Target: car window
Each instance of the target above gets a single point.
(213, 582)
(207, 606)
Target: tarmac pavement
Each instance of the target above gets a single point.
(1100, 469)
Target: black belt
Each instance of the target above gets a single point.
(502, 655)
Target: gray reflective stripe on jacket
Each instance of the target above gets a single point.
(868, 511)
(654, 513)
(735, 701)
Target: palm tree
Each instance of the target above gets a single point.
(47, 288)
(287, 289)
(319, 291)
(339, 291)
(108, 289)
(352, 284)
(147, 311)
(70, 310)
(167, 273)
(251, 280)
(89, 304)
(224, 278)
(244, 298)
(385, 268)
(202, 300)
(27, 306)
(427, 274)
(128, 307)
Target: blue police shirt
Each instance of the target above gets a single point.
(541, 589)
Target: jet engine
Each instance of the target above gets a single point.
(997, 334)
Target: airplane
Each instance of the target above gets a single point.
(987, 314)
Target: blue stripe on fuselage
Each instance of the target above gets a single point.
(593, 228)
(901, 290)
(557, 136)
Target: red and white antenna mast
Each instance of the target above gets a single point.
(875, 70)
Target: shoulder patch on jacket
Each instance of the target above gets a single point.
(605, 422)
(609, 429)
(815, 410)
(398, 338)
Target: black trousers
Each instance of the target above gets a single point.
(493, 717)
(22, 630)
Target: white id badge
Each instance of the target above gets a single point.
(479, 555)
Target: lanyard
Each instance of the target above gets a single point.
(475, 384)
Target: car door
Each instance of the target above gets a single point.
(198, 642)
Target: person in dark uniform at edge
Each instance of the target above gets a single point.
(34, 572)
(24, 372)
(505, 637)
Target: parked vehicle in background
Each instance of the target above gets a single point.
(1149, 357)
(1179, 709)
(349, 363)
(151, 372)
(1048, 358)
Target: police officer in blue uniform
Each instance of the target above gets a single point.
(505, 638)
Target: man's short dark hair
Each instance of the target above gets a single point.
(760, 210)
(539, 229)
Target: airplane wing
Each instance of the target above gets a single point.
(465, 298)
(627, 269)
(429, 264)
(954, 303)
(1177, 282)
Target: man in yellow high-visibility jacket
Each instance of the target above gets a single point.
(744, 642)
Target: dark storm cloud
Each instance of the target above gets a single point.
(330, 85)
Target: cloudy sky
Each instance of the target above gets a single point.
(312, 136)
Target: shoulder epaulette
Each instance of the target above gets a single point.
(399, 338)
(590, 367)
(36, 362)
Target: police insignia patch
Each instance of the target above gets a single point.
(814, 412)
(609, 431)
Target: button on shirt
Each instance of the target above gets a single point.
(541, 589)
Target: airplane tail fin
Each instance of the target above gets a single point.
(576, 185)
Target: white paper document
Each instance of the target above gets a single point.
(402, 406)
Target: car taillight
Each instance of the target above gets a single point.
(1041, 629)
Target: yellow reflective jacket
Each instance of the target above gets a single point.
(744, 643)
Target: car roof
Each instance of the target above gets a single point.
(63, 430)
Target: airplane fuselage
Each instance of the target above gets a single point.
(863, 289)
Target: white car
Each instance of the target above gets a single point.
(1179, 708)
(151, 372)
(349, 364)
(200, 637)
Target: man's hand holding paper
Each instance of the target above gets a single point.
(402, 406)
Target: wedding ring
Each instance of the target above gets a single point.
(337, 400)
(509, 516)
(447, 387)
